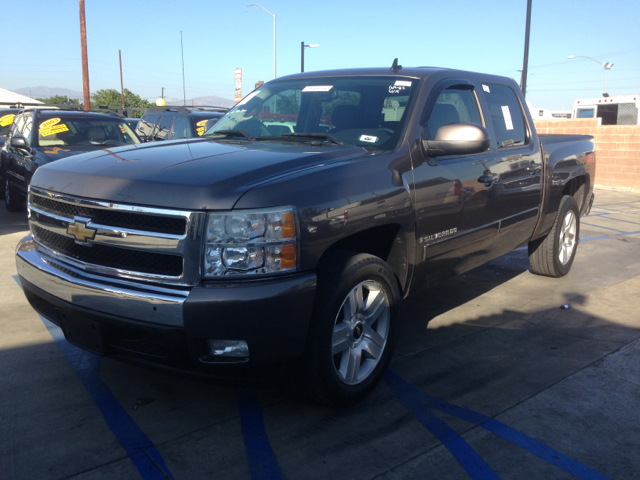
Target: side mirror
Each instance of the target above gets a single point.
(19, 142)
(210, 123)
(457, 139)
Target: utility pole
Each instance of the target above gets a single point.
(162, 92)
(526, 50)
(121, 82)
(85, 62)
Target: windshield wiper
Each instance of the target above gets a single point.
(325, 136)
(233, 133)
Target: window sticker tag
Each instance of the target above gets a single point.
(317, 88)
(201, 123)
(402, 83)
(507, 117)
(51, 127)
(486, 88)
(248, 97)
(49, 123)
(6, 120)
(368, 138)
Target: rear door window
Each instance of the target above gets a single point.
(507, 116)
(164, 127)
(181, 128)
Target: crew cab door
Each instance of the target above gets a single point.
(516, 194)
(456, 224)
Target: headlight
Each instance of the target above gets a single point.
(250, 242)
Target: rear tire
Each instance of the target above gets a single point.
(353, 329)
(553, 255)
(12, 199)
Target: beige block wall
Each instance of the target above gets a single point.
(617, 149)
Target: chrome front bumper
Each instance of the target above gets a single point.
(143, 302)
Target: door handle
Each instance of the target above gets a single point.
(488, 178)
(533, 168)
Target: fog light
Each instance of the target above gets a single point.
(228, 348)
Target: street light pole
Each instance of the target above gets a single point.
(525, 66)
(274, 34)
(302, 47)
(607, 66)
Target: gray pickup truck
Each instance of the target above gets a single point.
(255, 245)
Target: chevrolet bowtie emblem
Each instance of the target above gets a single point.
(81, 232)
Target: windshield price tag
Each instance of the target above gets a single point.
(402, 83)
(507, 117)
(486, 88)
(318, 88)
(368, 138)
(6, 120)
(51, 127)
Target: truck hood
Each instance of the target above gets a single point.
(198, 174)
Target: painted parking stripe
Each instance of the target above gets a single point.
(517, 438)
(588, 239)
(138, 446)
(460, 449)
(605, 228)
(263, 464)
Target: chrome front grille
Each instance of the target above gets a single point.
(125, 241)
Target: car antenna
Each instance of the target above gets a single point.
(395, 68)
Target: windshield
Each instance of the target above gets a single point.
(84, 131)
(362, 111)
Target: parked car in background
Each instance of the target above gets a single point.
(132, 122)
(6, 120)
(170, 123)
(38, 137)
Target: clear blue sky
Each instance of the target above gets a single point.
(485, 36)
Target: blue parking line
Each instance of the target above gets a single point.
(461, 450)
(523, 441)
(138, 446)
(588, 239)
(605, 228)
(262, 461)
(620, 220)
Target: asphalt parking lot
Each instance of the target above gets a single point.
(492, 379)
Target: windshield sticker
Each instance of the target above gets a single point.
(368, 138)
(402, 83)
(249, 97)
(200, 131)
(396, 88)
(6, 120)
(49, 123)
(486, 88)
(507, 117)
(51, 127)
(202, 123)
(122, 129)
(318, 88)
(57, 150)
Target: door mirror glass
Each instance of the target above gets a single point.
(457, 139)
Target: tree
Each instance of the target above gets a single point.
(59, 100)
(111, 97)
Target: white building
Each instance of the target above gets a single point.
(7, 96)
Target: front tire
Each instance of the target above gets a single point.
(553, 255)
(353, 330)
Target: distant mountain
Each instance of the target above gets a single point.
(46, 92)
(212, 101)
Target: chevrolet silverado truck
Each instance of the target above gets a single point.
(245, 249)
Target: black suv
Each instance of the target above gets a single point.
(170, 123)
(38, 137)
